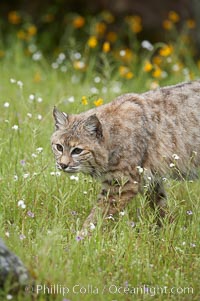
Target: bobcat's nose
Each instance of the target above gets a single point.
(63, 166)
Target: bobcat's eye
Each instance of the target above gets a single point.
(59, 147)
(76, 151)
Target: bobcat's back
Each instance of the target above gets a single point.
(145, 130)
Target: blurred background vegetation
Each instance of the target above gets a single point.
(123, 38)
(51, 23)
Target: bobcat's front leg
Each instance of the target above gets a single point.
(112, 199)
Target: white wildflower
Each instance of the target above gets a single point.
(92, 226)
(20, 83)
(22, 237)
(175, 67)
(39, 117)
(97, 79)
(21, 204)
(94, 90)
(7, 234)
(37, 56)
(81, 64)
(54, 65)
(29, 115)
(33, 155)
(77, 55)
(85, 192)
(31, 97)
(9, 297)
(71, 99)
(110, 217)
(39, 99)
(122, 52)
(15, 127)
(12, 81)
(61, 56)
(55, 173)
(39, 149)
(74, 178)
(140, 169)
(175, 157)
(154, 85)
(26, 175)
(15, 178)
(169, 60)
(6, 105)
(147, 45)
(171, 165)
(122, 213)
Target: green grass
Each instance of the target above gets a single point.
(118, 257)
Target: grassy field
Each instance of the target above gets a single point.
(41, 210)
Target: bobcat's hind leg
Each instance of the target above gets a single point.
(157, 198)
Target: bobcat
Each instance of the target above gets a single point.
(133, 139)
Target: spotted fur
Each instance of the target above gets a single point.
(135, 138)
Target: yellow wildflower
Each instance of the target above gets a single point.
(157, 72)
(157, 60)
(98, 102)
(125, 72)
(173, 16)
(78, 22)
(92, 42)
(37, 77)
(191, 23)
(111, 36)
(108, 17)
(2, 53)
(14, 17)
(21, 34)
(135, 23)
(148, 66)
(167, 24)
(84, 100)
(129, 75)
(100, 28)
(79, 65)
(166, 50)
(126, 55)
(106, 47)
(48, 18)
(32, 30)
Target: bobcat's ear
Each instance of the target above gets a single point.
(60, 119)
(93, 126)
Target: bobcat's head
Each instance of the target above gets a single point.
(78, 143)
